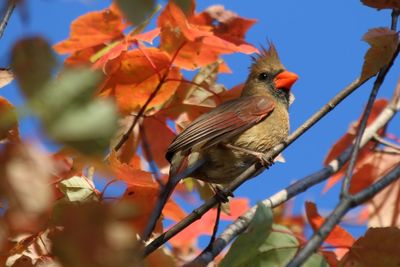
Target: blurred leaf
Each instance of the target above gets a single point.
(78, 188)
(136, 11)
(382, 4)
(93, 234)
(246, 247)
(8, 122)
(6, 76)
(383, 42)
(70, 115)
(378, 247)
(32, 63)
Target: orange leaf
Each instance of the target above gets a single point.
(155, 128)
(347, 140)
(338, 236)
(92, 29)
(173, 211)
(142, 190)
(200, 42)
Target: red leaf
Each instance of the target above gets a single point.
(347, 140)
(338, 237)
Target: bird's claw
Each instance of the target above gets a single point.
(222, 195)
(266, 162)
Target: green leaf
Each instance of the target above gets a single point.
(276, 248)
(32, 64)
(78, 188)
(136, 11)
(72, 116)
(87, 128)
(245, 248)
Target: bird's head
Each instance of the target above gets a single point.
(268, 76)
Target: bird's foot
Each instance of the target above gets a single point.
(266, 162)
(222, 195)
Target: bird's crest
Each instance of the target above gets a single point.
(268, 59)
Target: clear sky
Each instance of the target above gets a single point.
(319, 40)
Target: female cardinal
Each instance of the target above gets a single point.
(220, 144)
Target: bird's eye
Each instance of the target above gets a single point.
(263, 76)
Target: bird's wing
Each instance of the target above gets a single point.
(223, 122)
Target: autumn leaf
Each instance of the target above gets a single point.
(8, 122)
(85, 231)
(378, 247)
(194, 40)
(338, 237)
(154, 128)
(347, 140)
(382, 4)
(6, 77)
(92, 29)
(79, 189)
(383, 42)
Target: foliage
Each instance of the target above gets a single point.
(114, 106)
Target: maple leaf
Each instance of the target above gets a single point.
(383, 42)
(347, 140)
(378, 247)
(196, 40)
(338, 236)
(92, 29)
(382, 4)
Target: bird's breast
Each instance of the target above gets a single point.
(223, 164)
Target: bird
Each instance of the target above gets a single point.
(223, 142)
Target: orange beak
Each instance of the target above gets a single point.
(285, 80)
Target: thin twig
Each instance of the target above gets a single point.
(386, 143)
(7, 14)
(253, 169)
(241, 224)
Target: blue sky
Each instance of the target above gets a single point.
(319, 40)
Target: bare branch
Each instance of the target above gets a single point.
(386, 143)
(9, 8)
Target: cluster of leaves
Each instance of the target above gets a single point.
(116, 94)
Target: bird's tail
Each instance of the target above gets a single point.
(165, 193)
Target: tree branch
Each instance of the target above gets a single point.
(363, 123)
(241, 224)
(254, 169)
(348, 201)
(9, 8)
(340, 210)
